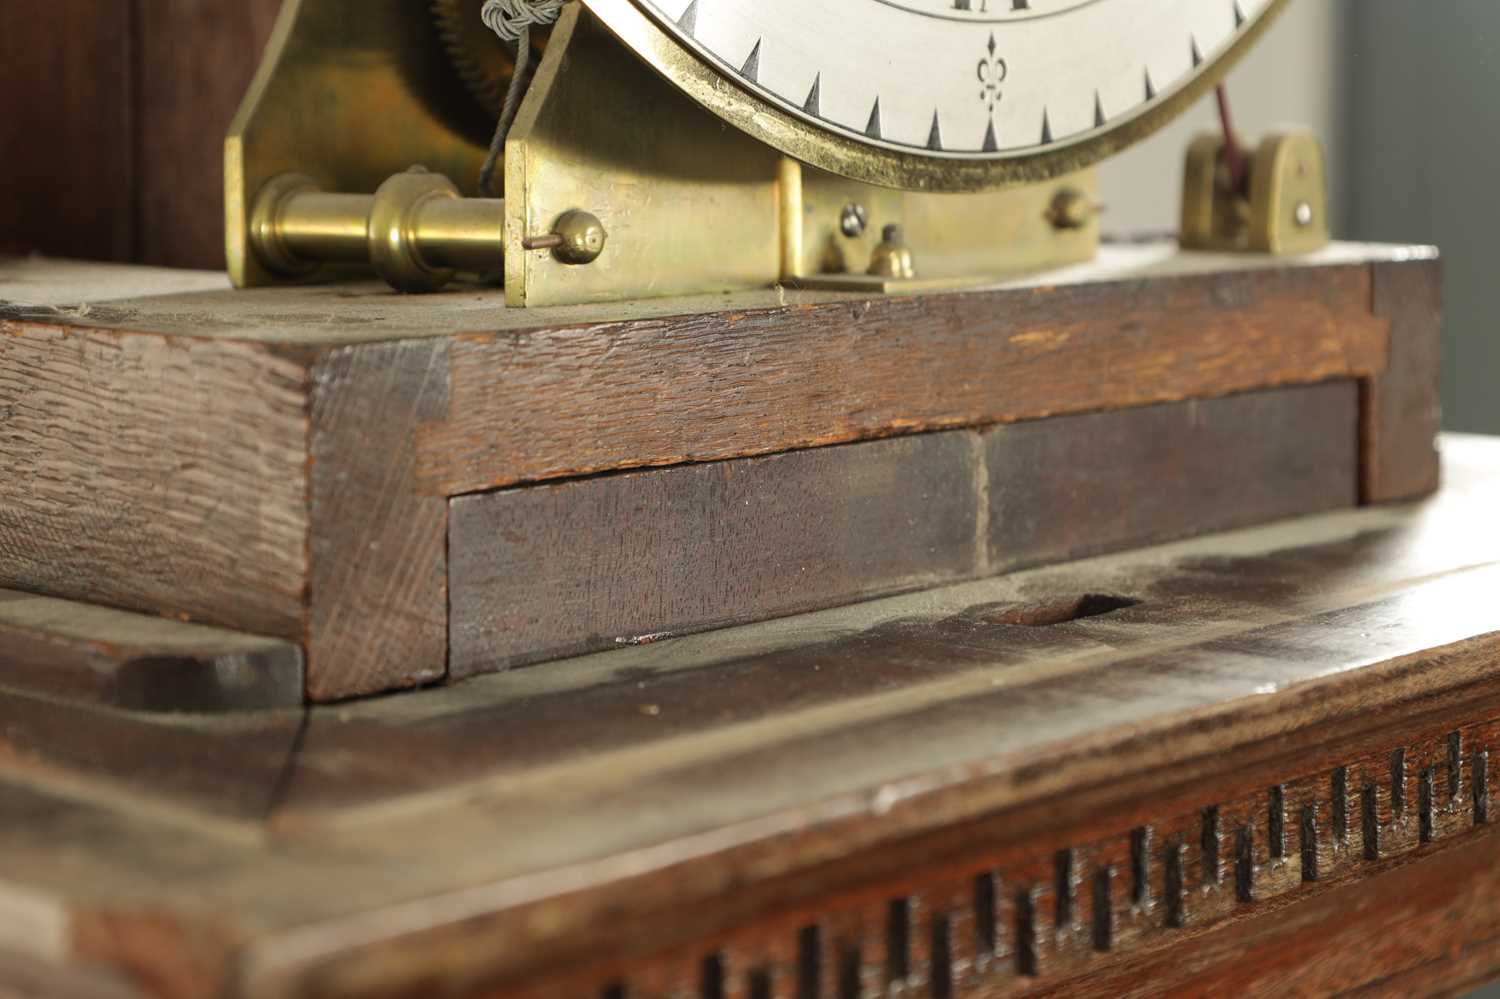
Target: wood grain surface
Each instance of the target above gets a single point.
(547, 571)
(710, 387)
(1403, 412)
(378, 599)
(158, 474)
(965, 791)
(112, 124)
(278, 462)
(1079, 485)
(993, 788)
(61, 648)
(541, 572)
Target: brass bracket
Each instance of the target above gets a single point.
(1284, 211)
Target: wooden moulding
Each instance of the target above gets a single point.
(86, 653)
(281, 462)
(1330, 878)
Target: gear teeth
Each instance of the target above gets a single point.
(477, 55)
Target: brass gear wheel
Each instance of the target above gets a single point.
(482, 60)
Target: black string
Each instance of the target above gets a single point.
(513, 95)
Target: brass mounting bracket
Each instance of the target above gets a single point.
(319, 189)
(1284, 211)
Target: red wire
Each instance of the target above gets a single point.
(1234, 157)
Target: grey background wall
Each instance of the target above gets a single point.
(1425, 161)
(1407, 97)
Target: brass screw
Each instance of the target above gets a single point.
(577, 237)
(1071, 209)
(853, 220)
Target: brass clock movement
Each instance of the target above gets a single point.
(667, 147)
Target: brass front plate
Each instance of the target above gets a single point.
(958, 239)
(689, 205)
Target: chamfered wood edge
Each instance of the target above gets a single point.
(98, 655)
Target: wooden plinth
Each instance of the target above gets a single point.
(372, 477)
(1257, 763)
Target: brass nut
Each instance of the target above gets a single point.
(393, 230)
(583, 237)
(267, 225)
(892, 258)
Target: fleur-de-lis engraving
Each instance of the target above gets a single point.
(992, 72)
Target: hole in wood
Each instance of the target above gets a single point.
(1244, 864)
(1209, 841)
(810, 962)
(1482, 787)
(1063, 888)
(1398, 782)
(1140, 867)
(1340, 804)
(1308, 834)
(1026, 934)
(898, 940)
(1172, 887)
(760, 984)
(986, 923)
(1424, 805)
(1276, 822)
(712, 977)
(1104, 911)
(851, 964)
(942, 959)
(1054, 612)
(1370, 822)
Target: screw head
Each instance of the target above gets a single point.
(1071, 209)
(1304, 214)
(854, 220)
(583, 237)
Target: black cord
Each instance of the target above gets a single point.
(513, 95)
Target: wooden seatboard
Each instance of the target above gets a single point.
(231, 457)
(624, 817)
